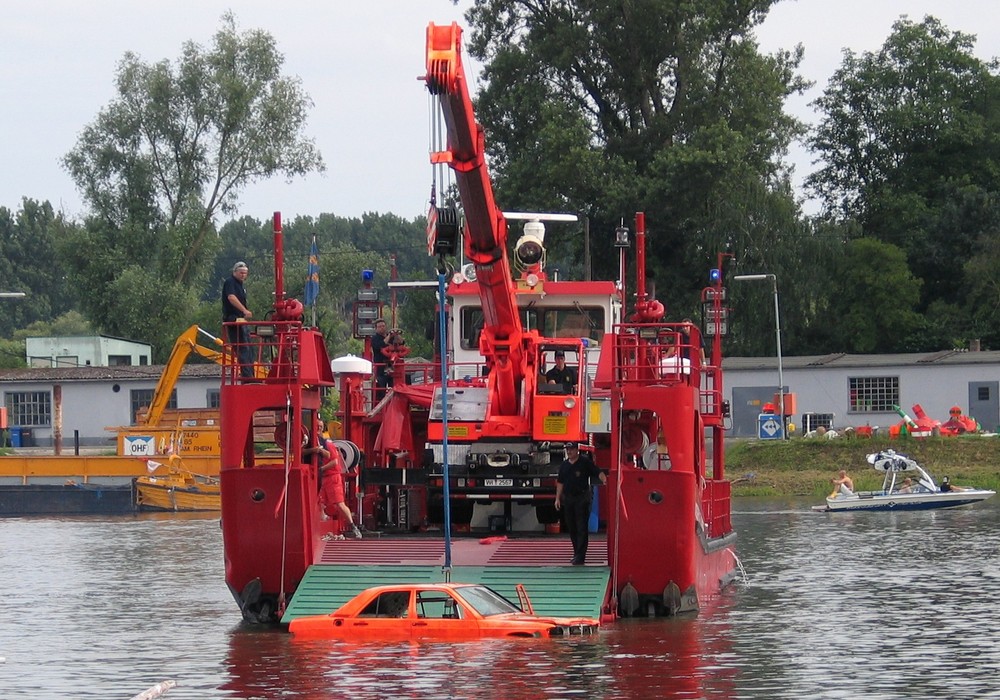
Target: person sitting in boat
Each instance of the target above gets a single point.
(906, 487)
(947, 486)
(843, 485)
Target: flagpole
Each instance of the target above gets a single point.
(312, 280)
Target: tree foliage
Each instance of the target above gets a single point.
(346, 247)
(874, 294)
(170, 152)
(910, 146)
(669, 108)
(28, 264)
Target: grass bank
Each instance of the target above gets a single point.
(804, 467)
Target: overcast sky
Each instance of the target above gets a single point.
(358, 60)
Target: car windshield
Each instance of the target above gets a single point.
(486, 601)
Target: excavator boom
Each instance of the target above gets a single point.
(186, 343)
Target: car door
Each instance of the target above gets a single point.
(387, 616)
(440, 615)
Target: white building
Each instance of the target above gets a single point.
(85, 351)
(90, 399)
(843, 390)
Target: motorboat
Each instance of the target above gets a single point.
(902, 492)
(436, 611)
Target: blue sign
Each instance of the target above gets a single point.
(769, 426)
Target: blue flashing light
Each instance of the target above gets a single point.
(715, 275)
(368, 276)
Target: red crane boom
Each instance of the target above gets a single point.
(485, 225)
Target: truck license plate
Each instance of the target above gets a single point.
(498, 482)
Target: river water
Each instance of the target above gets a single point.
(875, 605)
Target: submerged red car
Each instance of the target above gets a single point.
(435, 611)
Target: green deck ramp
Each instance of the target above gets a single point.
(564, 591)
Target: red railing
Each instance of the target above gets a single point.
(269, 350)
(715, 507)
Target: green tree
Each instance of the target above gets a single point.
(875, 295)
(162, 160)
(69, 323)
(910, 146)
(12, 354)
(28, 263)
(656, 106)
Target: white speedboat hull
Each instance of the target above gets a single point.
(878, 500)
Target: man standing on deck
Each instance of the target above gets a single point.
(383, 378)
(331, 495)
(235, 309)
(574, 497)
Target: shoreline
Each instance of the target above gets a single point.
(804, 467)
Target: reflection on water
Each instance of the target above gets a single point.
(887, 605)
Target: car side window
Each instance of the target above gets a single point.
(438, 605)
(388, 604)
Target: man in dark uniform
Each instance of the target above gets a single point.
(234, 308)
(574, 497)
(561, 374)
(380, 360)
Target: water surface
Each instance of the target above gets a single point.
(880, 605)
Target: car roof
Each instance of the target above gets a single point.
(421, 586)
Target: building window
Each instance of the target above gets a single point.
(873, 394)
(119, 360)
(983, 393)
(31, 408)
(213, 398)
(142, 398)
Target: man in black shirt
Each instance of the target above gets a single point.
(561, 374)
(383, 378)
(234, 308)
(574, 497)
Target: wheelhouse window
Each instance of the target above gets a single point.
(551, 322)
(142, 398)
(29, 408)
(873, 394)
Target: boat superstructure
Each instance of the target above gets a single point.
(472, 446)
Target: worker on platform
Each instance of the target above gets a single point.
(235, 310)
(331, 493)
(574, 496)
(380, 359)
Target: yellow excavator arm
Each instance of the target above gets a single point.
(186, 344)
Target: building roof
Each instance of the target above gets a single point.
(121, 373)
(99, 336)
(843, 360)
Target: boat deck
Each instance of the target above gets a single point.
(541, 564)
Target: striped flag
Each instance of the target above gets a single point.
(312, 276)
